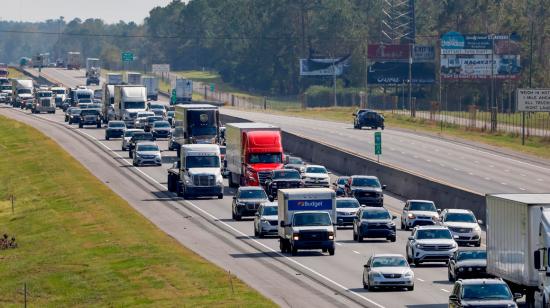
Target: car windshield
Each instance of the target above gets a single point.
(347, 204)
(45, 94)
(270, 211)
(5, 87)
(389, 262)
(147, 147)
(486, 291)
(82, 96)
(116, 124)
(252, 194)
(161, 124)
(134, 105)
(156, 107)
(311, 219)
(202, 162)
(433, 234)
(170, 113)
(460, 217)
(89, 112)
(154, 119)
(316, 170)
(295, 160)
(287, 174)
(422, 206)
(85, 101)
(24, 91)
(365, 182)
(472, 255)
(265, 158)
(59, 91)
(342, 181)
(376, 214)
(129, 133)
(75, 111)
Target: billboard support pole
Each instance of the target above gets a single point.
(410, 81)
(530, 82)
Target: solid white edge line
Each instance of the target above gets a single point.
(239, 232)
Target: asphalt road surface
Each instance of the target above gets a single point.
(205, 226)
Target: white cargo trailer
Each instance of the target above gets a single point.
(514, 231)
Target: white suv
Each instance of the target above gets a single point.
(430, 244)
(463, 225)
(316, 176)
(419, 213)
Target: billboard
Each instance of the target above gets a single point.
(479, 56)
(388, 52)
(323, 67)
(395, 73)
(160, 68)
(533, 100)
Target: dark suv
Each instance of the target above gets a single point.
(482, 293)
(366, 189)
(137, 137)
(284, 178)
(90, 117)
(368, 118)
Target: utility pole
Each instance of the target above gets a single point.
(493, 99)
(365, 99)
(334, 81)
(530, 79)
(410, 79)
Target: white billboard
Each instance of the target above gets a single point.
(480, 66)
(322, 67)
(160, 68)
(533, 100)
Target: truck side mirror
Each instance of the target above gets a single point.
(537, 256)
(480, 222)
(384, 186)
(282, 224)
(234, 197)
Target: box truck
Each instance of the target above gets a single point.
(307, 218)
(73, 60)
(93, 71)
(151, 83)
(184, 90)
(518, 242)
(253, 150)
(114, 78)
(133, 78)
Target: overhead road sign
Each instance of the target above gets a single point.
(127, 56)
(533, 100)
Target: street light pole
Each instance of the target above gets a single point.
(410, 80)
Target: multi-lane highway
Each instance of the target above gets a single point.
(206, 227)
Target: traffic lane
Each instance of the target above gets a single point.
(349, 260)
(400, 148)
(266, 274)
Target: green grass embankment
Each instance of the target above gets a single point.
(80, 244)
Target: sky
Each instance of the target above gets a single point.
(111, 11)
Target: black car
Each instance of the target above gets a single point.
(296, 163)
(374, 222)
(137, 137)
(368, 118)
(366, 189)
(90, 117)
(246, 201)
(74, 115)
(115, 129)
(468, 264)
(149, 123)
(482, 293)
(283, 178)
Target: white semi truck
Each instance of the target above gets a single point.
(22, 91)
(198, 172)
(133, 78)
(151, 83)
(129, 100)
(73, 60)
(518, 243)
(108, 93)
(307, 219)
(184, 90)
(93, 71)
(44, 102)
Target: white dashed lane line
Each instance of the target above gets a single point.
(357, 252)
(446, 291)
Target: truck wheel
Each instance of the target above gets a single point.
(80, 125)
(354, 235)
(411, 288)
(324, 250)
(220, 196)
(282, 245)
(170, 184)
(107, 137)
(391, 239)
(450, 277)
(293, 250)
(130, 154)
(179, 191)
(98, 124)
(331, 251)
(255, 232)
(360, 238)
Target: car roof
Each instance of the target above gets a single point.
(418, 200)
(316, 166)
(482, 281)
(285, 170)
(115, 121)
(378, 255)
(163, 121)
(374, 208)
(363, 177)
(432, 227)
(346, 198)
(458, 211)
(135, 130)
(250, 188)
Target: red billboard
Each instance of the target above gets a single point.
(389, 52)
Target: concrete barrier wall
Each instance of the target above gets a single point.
(400, 182)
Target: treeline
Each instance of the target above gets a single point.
(255, 45)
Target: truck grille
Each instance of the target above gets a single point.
(204, 180)
(437, 247)
(313, 235)
(365, 194)
(262, 176)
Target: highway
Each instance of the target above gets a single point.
(205, 226)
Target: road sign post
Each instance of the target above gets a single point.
(378, 144)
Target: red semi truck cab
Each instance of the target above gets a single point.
(253, 151)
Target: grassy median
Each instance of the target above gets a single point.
(80, 244)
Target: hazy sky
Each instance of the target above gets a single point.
(111, 11)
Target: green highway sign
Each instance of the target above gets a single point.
(212, 87)
(378, 143)
(127, 56)
(173, 97)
